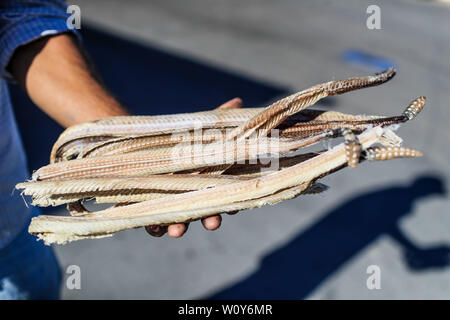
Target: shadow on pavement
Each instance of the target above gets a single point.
(296, 269)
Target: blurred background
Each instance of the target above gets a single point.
(161, 57)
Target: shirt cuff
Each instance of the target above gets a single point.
(26, 32)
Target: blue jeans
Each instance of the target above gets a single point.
(29, 269)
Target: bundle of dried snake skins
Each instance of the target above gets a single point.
(160, 170)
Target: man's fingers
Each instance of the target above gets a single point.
(174, 230)
(177, 230)
(232, 104)
(155, 230)
(212, 223)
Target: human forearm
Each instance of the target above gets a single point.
(60, 80)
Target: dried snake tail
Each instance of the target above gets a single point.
(342, 86)
(414, 108)
(386, 75)
(387, 153)
(352, 148)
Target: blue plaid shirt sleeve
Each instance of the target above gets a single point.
(22, 21)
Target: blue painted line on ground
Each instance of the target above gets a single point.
(366, 60)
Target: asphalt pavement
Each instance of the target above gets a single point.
(394, 215)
